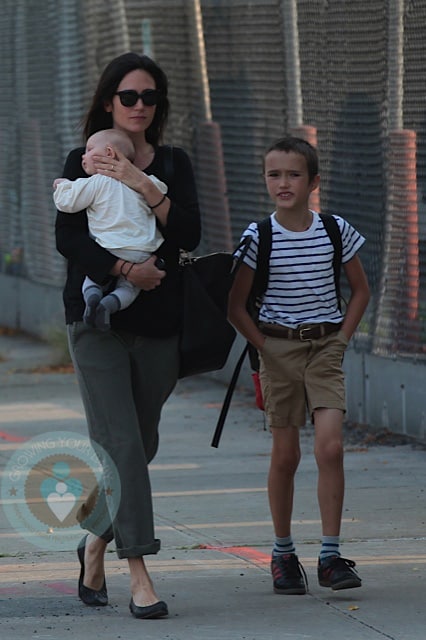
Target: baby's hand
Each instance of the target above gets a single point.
(58, 181)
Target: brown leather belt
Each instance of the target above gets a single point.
(302, 332)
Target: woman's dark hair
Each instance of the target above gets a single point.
(297, 145)
(97, 118)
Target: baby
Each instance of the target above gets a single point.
(119, 219)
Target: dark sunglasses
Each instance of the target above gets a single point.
(129, 97)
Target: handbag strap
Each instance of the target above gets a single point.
(244, 247)
(227, 400)
(259, 286)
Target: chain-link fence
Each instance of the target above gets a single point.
(351, 76)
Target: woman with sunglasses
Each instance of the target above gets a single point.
(126, 374)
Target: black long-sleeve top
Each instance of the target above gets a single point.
(154, 313)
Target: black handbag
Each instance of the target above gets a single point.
(206, 335)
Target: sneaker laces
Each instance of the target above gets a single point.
(290, 566)
(343, 563)
(305, 577)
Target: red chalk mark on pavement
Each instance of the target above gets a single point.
(61, 587)
(11, 438)
(12, 591)
(247, 553)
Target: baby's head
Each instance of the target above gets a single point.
(104, 143)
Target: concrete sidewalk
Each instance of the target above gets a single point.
(213, 518)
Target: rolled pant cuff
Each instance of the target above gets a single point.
(140, 550)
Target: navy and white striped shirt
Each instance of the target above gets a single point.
(301, 286)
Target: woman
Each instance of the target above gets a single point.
(126, 374)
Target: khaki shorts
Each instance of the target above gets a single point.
(300, 376)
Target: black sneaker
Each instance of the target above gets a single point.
(289, 575)
(338, 573)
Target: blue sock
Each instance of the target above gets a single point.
(329, 547)
(283, 546)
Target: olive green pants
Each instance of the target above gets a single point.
(124, 381)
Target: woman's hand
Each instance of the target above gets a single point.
(144, 275)
(120, 168)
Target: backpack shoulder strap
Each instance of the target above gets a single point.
(260, 280)
(335, 236)
(261, 276)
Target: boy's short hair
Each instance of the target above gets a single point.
(296, 145)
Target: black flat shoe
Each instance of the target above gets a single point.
(157, 610)
(89, 596)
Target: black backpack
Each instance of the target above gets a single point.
(260, 284)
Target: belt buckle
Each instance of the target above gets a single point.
(301, 334)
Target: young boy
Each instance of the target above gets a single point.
(301, 339)
(119, 219)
